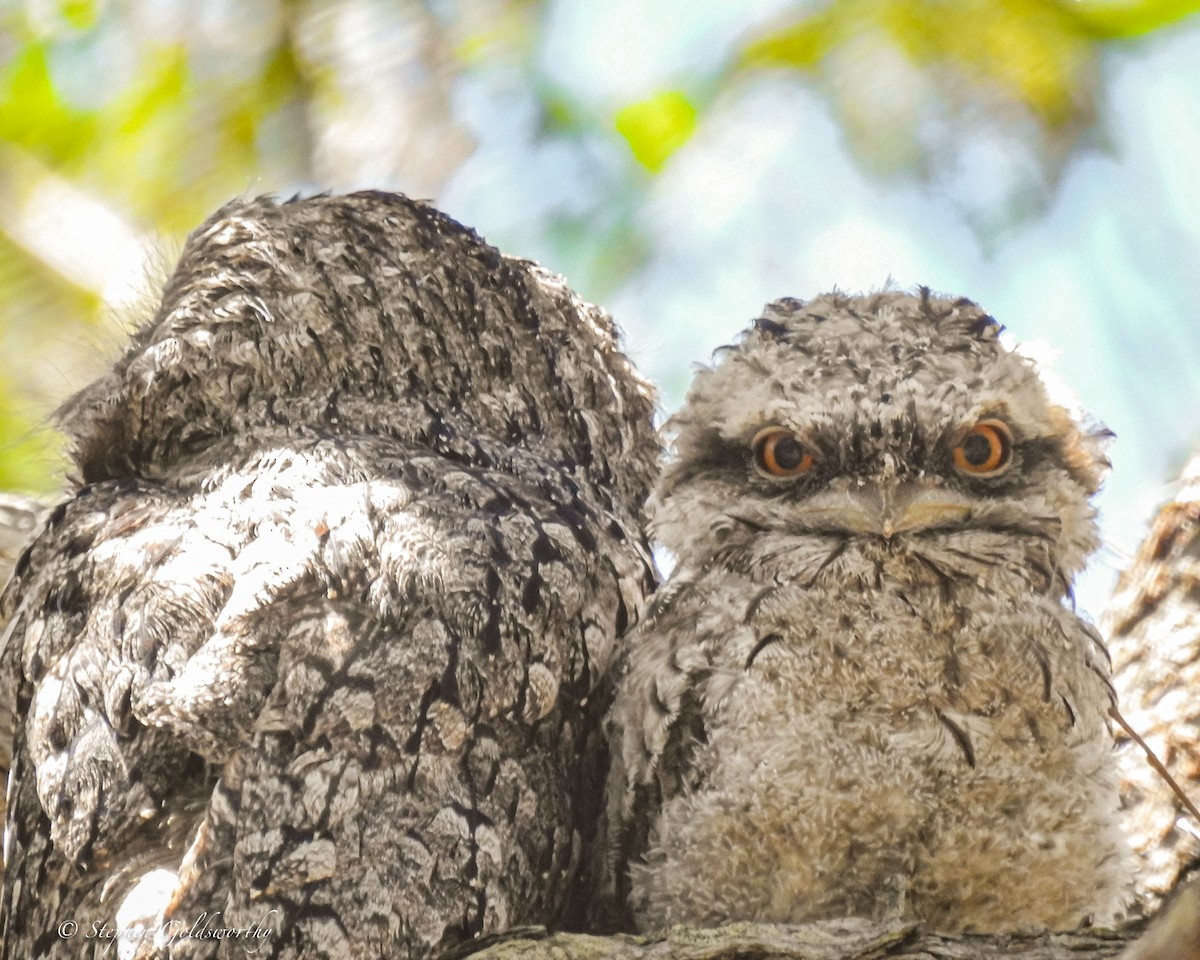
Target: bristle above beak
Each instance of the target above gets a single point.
(886, 509)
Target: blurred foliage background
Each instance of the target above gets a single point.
(681, 161)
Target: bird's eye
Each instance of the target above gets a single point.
(986, 450)
(777, 453)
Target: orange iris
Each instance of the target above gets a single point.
(986, 450)
(777, 453)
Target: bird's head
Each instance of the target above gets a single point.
(894, 421)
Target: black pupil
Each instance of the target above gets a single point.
(788, 453)
(976, 450)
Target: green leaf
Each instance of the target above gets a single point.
(34, 117)
(80, 14)
(30, 455)
(657, 127)
(800, 46)
(1125, 20)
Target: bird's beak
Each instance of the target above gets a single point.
(886, 509)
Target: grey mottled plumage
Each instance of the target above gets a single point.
(322, 638)
(861, 692)
(1153, 624)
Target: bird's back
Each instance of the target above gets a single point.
(318, 648)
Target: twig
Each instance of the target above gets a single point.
(1155, 763)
